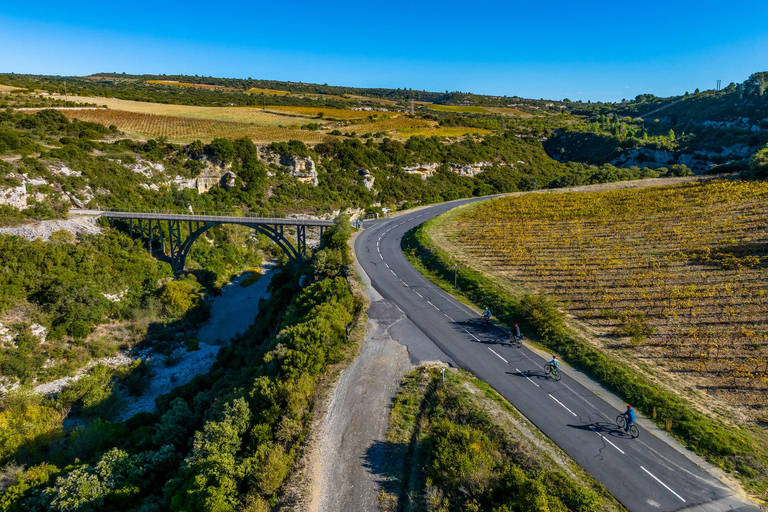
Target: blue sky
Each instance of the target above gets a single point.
(586, 50)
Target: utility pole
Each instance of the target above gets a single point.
(66, 98)
(456, 268)
(413, 112)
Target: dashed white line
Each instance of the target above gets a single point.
(662, 483)
(476, 338)
(561, 403)
(489, 348)
(417, 293)
(393, 272)
(607, 440)
(387, 264)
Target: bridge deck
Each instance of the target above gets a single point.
(274, 221)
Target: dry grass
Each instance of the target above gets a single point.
(185, 129)
(9, 88)
(253, 115)
(268, 92)
(315, 112)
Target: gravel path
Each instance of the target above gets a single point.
(349, 459)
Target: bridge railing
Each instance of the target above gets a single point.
(181, 212)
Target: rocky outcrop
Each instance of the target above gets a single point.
(302, 169)
(14, 196)
(209, 178)
(368, 178)
(427, 170)
(470, 169)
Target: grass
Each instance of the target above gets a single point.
(734, 448)
(183, 129)
(459, 109)
(509, 111)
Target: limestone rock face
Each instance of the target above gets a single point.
(14, 196)
(209, 178)
(302, 169)
(368, 178)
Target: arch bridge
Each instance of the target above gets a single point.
(180, 231)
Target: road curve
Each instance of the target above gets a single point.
(644, 474)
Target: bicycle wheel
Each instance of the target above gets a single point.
(557, 375)
(633, 431)
(548, 369)
(620, 421)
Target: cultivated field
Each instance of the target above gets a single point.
(184, 129)
(459, 109)
(9, 88)
(671, 279)
(254, 115)
(318, 112)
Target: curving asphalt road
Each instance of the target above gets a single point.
(644, 474)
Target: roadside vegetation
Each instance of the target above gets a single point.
(557, 303)
(225, 441)
(460, 446)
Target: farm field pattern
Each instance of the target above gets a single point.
(673, 276)
(185, 129)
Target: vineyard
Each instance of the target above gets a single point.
(459, 109)
(185, 129)
(237, 114)
(674, 278)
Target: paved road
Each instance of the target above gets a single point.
(643, 474)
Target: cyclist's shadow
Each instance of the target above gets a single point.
(603, 428)
(533, 374)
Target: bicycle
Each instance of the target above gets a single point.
(487, 320)
(516, 341)
(552, 369)
(621, 422)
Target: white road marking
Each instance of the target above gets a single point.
(489, 348)
(476, 338)
(561, 403)
(662, 483)
(417, 293)
(606, 440)
(387, 264)
(393, 272)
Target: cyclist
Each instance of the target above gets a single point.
(629, 416)
(516, 333)
(554, 363)
(487, 314)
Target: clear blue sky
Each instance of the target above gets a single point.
(546, 48)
